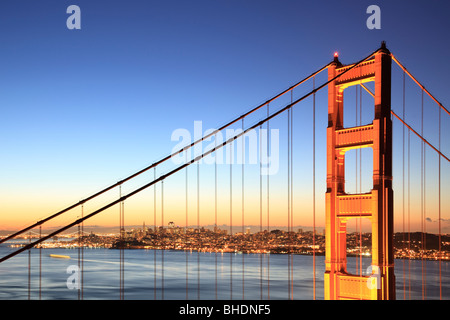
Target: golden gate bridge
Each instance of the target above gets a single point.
(344, 201)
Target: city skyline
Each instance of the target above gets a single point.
(221, 240)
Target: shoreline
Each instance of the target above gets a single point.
(276, 252)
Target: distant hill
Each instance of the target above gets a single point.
(431, 240)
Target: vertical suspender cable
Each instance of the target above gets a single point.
(156, 234)
(439, 211)
(289, 198)
(356, 164)
(356, 174)
(358, 221)
(314, 189)
(40, 263)
(243, 209)
(292, 194)
(215, 210)
(403, 187)
(186, 232)
(164, 239)
(360, 182)
(425, 212)
(82, 254)
(268, 206)
(360, 188)
(123, 252)
(260, 213)
(121, 246)
(425, 215)
(79, 258)
(29, 268)
(409, 193)
(162, 160)
(409, 215)
(231, 220)
(198, 228)
(121, 243)
(422, 203)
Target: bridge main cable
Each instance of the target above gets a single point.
(419, 84)
(162, 177)
(155, 164)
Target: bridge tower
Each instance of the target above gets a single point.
(377, 205)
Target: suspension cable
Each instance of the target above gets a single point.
(155, 164)
(418, 134)
(419, 84)
(411, 129)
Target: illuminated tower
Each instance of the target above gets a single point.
(376, 205)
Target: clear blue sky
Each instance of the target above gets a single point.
(81, 109)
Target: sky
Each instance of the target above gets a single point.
(84, 108)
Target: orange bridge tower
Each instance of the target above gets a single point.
(377, 205)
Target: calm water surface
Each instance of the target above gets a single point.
(173, 275)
